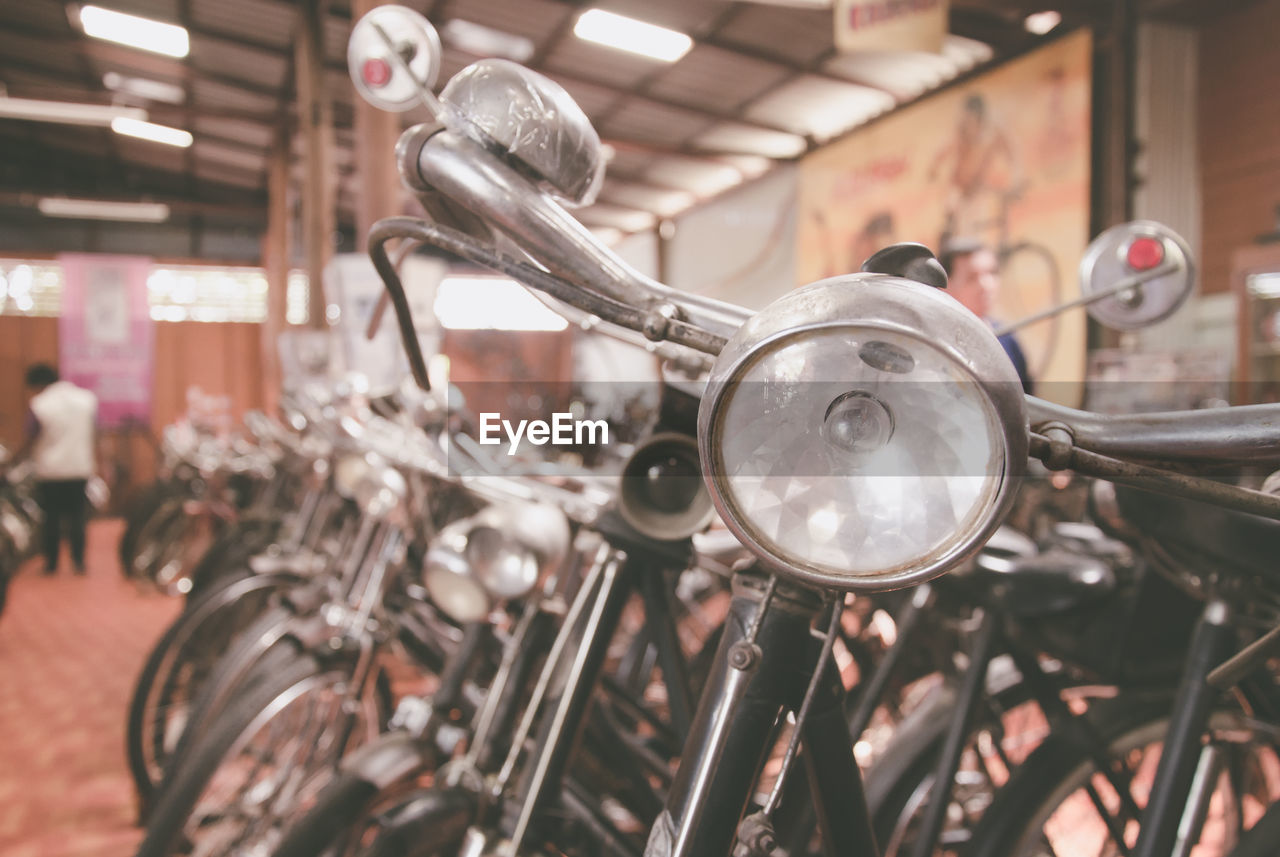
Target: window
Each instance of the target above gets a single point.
(30, 288)
(174, 292)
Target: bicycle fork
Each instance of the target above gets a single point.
(753, 682)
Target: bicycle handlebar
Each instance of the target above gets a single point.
(582, 272)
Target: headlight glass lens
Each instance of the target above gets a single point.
(857, 451)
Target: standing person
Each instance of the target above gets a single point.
(973, 278)
(60, 442)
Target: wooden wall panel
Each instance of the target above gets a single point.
(222, 359)
(1239, 134)
(23, 341)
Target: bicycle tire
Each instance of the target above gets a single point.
(234, 674)
(145, 747)
(337, 810)
(239, 723)
(163, 532)
(902, 778)
(1048, 778)
(231, 551)
(144, 506)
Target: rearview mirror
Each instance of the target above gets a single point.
(1139, 273)
(394, 58)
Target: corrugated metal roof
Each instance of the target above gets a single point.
(717, 78)
(762, 83)
(264, 21)
(643, 120)
(798, 35)
(735, 137)
(224, 56)
(819, 107)
(246, 133)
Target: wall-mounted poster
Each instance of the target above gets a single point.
(1003, 159)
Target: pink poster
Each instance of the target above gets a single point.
(105, 335)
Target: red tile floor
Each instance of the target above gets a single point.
(70, 648)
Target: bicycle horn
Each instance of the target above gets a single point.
(663, 495)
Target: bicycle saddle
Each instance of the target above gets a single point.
(1046, 583)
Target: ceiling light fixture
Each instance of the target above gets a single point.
(101, 209)
(482, 41)
(1040, 23)
(134, 31)
(67, 112)
(628, 34)
(153, 132)
(141, 87)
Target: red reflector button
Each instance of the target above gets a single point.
(1145, 253)
(376, 72)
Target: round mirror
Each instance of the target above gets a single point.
(1149, 263)
(394, 57)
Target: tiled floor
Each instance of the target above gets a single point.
(70, 648)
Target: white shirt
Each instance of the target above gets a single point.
(64, 447)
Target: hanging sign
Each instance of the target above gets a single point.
(890, 25)
(105, 333)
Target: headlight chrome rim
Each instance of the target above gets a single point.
(916, 306)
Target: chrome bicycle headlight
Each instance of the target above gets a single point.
(863, 433)
(497, 554)
(348, 472)
(383, 489)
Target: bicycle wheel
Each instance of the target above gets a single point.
(168, 546)
(143, 508)
(1063, 803)
(271, 751)
(1008, 726)
(179, 664)
(231, 551)
(354, 816)
(1031, 282)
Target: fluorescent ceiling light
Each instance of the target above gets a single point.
(153, 132)
(100, 209)
(492, 303)
(1042, 22)
(66, 111)
(134, 31)
(485, 41)
(628, 34)
(744, 139)
(141, 87)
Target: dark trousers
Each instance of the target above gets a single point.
(64, 505)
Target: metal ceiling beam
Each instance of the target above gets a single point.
(46, 165)
(144, 64)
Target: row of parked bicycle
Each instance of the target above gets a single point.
(390, 646)
(396, 646)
